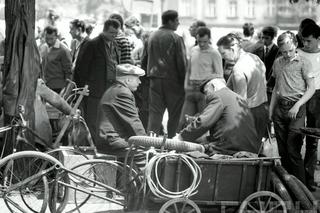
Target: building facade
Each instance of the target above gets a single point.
(233, 13)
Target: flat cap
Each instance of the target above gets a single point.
(129, 69)
(218, 83)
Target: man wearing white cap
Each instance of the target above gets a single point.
(227, 118)
(118, 117)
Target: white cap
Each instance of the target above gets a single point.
(129, 69)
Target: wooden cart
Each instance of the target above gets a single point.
(243, 184)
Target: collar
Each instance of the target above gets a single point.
(166, 27)
(269, 47)
(297, 57)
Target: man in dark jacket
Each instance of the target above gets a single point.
(118, 117)
(228, 119)
(166, 70)
(96, 67)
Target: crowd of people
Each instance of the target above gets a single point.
(224, 97)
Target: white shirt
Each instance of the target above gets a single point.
(314, 58)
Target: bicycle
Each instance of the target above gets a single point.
(43, 173)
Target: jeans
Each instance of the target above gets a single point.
(260, 115)
(313, 120)
(288, 139)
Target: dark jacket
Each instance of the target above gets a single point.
(166, 55)
(96, 67)
(267, 59)
(231, 125)
(117, 119)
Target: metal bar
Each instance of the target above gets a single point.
(29, 179)
(14, 204)
(66, 124)
(178, 174)
(216, 183)
(260, 175)
(243, 181)
(90, 193)
(92, 181)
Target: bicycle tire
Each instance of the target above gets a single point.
(58, 200)
(307, 192)
(19, 167)
(281, 190)
(57, 152)
(294, 188)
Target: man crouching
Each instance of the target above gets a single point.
(118, 117)
(227, 118)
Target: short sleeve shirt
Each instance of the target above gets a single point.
(291, 76)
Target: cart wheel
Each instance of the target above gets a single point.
(263, 201)
(180, 205)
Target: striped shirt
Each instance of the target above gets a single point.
(125, 48)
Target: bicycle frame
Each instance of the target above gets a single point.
(108, 188)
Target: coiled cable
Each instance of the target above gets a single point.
(152, 177)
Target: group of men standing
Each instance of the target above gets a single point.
(231, 112)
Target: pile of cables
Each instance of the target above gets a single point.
(152, 176)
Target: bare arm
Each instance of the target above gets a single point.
(306, 96)
(239, 84)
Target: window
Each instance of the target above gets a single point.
(271, 8)
(285, 9)
(210, 8)
(250, 8)
(185, 8)
(232, 10)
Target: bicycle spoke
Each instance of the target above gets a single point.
(268, 202)
(253, 208)
(176, 207)
(14, 204)
(274, 208)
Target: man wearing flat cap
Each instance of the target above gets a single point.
(118, 117)
(227, 118)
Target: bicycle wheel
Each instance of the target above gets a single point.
(68, 156)
(59, 193)
(25, 180)
(111, 174)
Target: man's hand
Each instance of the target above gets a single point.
(178, 137)
(294, 111)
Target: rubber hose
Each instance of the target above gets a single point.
(170, 144)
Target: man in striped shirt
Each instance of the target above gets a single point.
(122, 41)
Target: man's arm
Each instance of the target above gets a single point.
(239, 84)
(127, 111)
(181, 58)
(306, 96)
(53, 98)
(83, 63)
(217, 64)
(208, 118)
(66, 63)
